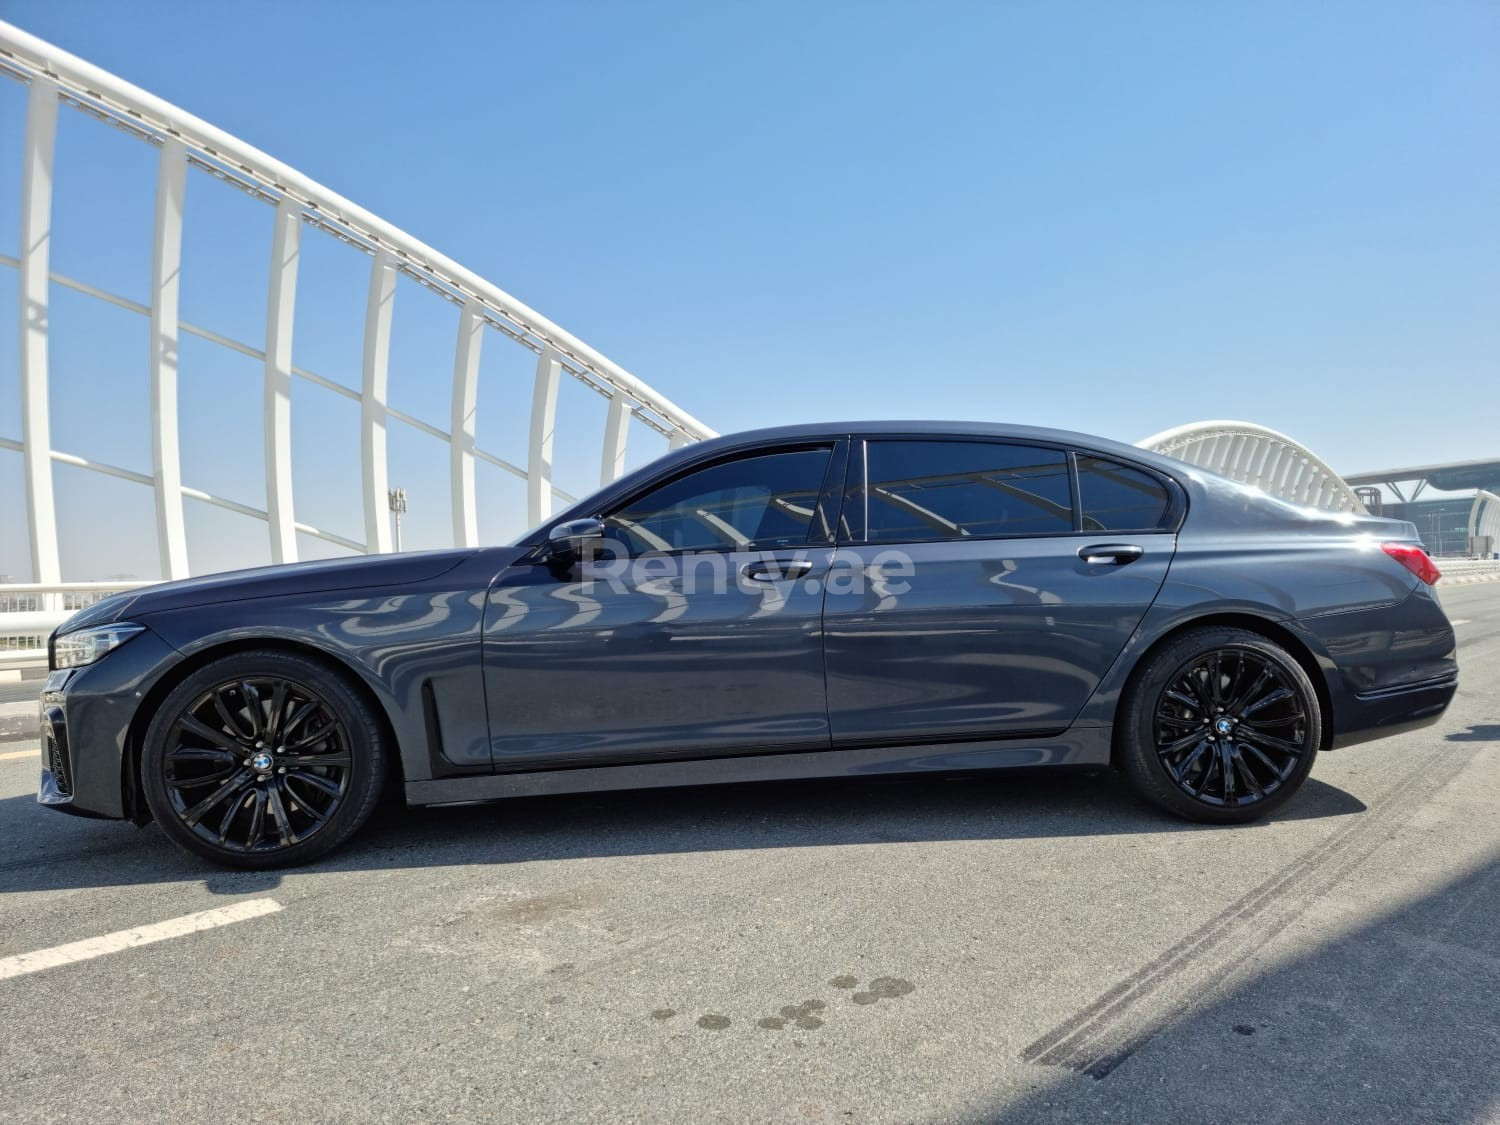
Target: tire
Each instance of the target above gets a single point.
(1220, 726)
(262, 759)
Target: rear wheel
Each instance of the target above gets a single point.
(262, 759)
(1220, 726)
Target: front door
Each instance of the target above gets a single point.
(975, 597)
(697, 632)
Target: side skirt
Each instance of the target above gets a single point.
(1088, 746)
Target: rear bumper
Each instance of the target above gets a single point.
(1396, 711)
(1388, 670)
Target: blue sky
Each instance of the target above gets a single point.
(1107, 217)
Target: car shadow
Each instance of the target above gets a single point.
(1479, 732)
(42, 850)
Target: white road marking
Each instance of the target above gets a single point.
(1463, 621)
(11, 755)
(23, 963)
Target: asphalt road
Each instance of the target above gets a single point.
(1010, 950)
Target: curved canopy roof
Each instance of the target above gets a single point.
(1256, 455)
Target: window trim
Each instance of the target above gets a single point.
(1171, 517)
(858, 479)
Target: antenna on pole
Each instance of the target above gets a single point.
(397, 499)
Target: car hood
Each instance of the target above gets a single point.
(322, 576)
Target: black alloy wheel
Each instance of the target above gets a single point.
(262, 759)
(1222, 725)
(1230, 727)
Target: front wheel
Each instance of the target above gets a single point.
(262, 759)
(1220, 726)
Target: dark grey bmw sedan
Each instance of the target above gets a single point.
(809, 601)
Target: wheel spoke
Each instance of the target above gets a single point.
(290, 796)
(317, 781)
(1280, 695)
(228, 718)
(1238, 701)
(202, 779)
(1226, 768)
(278, 712)
(1181, 744)
(315, 737)
(257, 828)
(298, 717)
(1215, 674)
(1265, 761)
(1265, 741)
(223, 741)
(1190, 761)
(1246, 774)
(236, 782)
(204, 754)
(1190, 702)
(280, 816)
(254, 706)
(235, 807)
(1257, 724)
(1211, 761)
(334, 758)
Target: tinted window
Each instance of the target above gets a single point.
(923, 490)
(753, 503)
(1118, 498)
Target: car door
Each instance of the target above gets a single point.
(975, 593)
(697, 630)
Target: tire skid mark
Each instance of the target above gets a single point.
(1090, 1042)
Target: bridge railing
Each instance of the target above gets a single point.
(29, 611)
(487, 316)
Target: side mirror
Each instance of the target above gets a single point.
(569, 539)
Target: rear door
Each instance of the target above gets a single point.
(982, 588)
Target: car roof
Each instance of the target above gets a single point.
(810, 430)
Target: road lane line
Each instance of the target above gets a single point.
(1462, 621)
(12, 755)
(23, 963)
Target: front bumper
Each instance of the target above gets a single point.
(86, 723)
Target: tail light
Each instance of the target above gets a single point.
(1415, 559)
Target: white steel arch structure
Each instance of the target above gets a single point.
(1259, 456)
(487, 316)
(1484, 518)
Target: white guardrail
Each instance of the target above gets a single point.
(29, 611)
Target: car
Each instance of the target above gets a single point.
(798, 602)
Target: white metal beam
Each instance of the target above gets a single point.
(372, 407)
(281, 304)
(144, 110)
(543, 422)
(616, 435)
(461, 428)
(679, 438)
(166, 280)
(36, 244)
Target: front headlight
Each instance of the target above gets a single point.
(74, 650)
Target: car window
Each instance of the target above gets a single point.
(1116, 497)
(926, 490)
(753, 503)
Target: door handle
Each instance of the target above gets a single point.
(776, 571)
(1110, 554)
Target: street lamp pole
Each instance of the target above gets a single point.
(397, 499)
